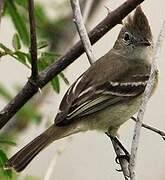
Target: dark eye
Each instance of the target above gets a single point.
(126, 36)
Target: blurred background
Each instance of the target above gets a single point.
(84, 156)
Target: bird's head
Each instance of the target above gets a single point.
(135, 38)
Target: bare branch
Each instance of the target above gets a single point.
(77, 18)
(146, 96)
(33, 47)
(153, 129)
(47, 75)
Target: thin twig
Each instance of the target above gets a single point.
(77, 18)
(33, 47)
(153, 129)
(146, 96)
(77, 50)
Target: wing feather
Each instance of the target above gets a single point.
(103, 96)
(93, 91)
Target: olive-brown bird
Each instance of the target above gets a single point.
(106, 95)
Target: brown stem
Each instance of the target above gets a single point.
(33, 47)
(77, 50)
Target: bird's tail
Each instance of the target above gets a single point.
(23, 157)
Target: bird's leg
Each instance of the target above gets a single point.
(117, 141)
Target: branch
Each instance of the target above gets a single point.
(153, 129)
(33, 47)
(78, 19)
(77, 50)
(146, 96)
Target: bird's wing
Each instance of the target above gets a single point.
(86, 96)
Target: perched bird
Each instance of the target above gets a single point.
(106, 95)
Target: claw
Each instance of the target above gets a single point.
(119, 170)
(126, 157)
(117, 160)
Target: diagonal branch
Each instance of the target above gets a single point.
(77, 50)
(33, 47)
(153, 129)
(146, 96)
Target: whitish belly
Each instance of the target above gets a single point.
(112, 117)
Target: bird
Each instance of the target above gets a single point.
(106, 95)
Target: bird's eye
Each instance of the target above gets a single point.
(126, 36)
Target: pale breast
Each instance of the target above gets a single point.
(112, 117)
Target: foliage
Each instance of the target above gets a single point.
(46, 29)
(17, 10)
(3, 172)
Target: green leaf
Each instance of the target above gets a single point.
(16, 42)
(22, 57)
(41, 15)
(18, 21)
(23, 3)
(6, 140)
(46, 59)
(3, 158)
(62, 75)
(55, 84)
(6, 49)
(50, 57)
(42, 64)
(42, 44)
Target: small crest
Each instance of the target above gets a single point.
(138, 24)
